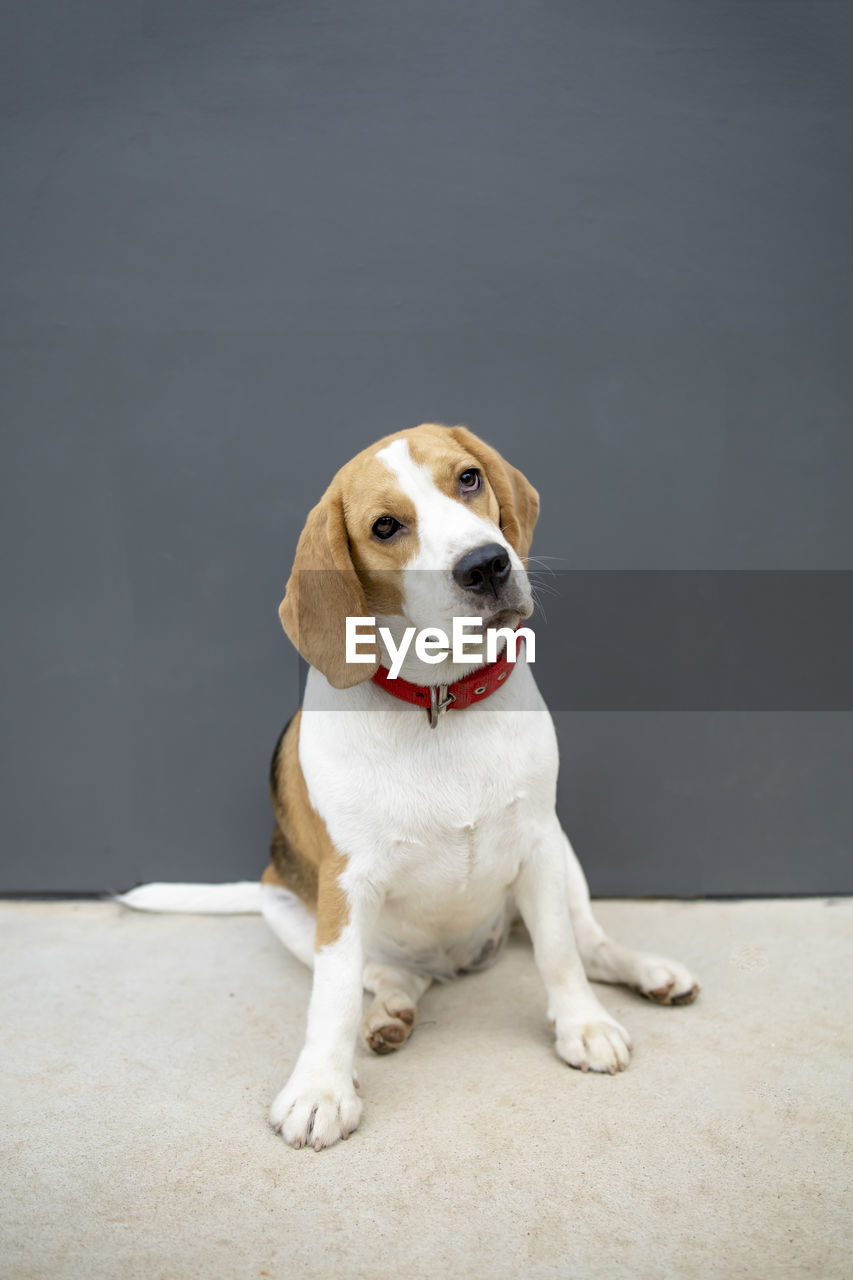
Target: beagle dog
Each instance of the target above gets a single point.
(415, 816)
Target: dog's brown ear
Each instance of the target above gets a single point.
(322, 591)
(519, 501)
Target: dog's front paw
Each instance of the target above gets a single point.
(316, 1110)
(599, 1044)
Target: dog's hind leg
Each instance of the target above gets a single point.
(290, 920)
(390, 1017)
(662, 980)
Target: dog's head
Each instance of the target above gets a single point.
(425, 525)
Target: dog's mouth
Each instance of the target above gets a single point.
(503, 618)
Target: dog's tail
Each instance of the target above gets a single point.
(240, 898)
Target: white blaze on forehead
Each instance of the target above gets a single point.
(417, 483)
(443, 523)
(416, 480)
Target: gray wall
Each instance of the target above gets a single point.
(242, 240)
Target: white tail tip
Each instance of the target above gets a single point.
(241, 898)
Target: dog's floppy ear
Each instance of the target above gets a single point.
(519, 501)
(322, 591)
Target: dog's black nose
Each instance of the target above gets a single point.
(483, 569)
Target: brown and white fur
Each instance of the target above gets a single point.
(401, 852)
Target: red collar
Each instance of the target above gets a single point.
(435, 699)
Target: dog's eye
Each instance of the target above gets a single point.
(386, 526)
(469, 481)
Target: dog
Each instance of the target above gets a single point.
(415, 817)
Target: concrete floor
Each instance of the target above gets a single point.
(141, 1052)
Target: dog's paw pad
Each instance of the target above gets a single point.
(665, 981)
(388, 1024)
(387, 1038)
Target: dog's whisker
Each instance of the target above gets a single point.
(540, 560)
(539, 605)
(546, 588)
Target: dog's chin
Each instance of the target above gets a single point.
(504, 618)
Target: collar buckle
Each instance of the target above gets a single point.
(439, 700)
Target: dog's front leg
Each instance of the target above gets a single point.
(587, 1036)
(319, 1104)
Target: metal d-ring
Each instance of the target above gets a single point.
(439, 701)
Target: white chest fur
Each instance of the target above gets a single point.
(436, 819)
